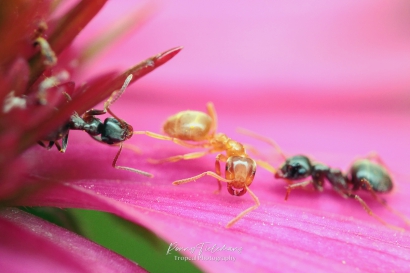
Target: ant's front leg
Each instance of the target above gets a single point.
(114, 96)
(243, 213)
(114, 164)
(296, 185)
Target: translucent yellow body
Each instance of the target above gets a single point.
(189, 125)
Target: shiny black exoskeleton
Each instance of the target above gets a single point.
(376, 175)
(111, 131)
(363, 174)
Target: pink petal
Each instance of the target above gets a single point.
(301, 238)
(275, 73)
(30, 243)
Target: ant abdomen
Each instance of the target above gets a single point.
(188, 125)
(377, 176)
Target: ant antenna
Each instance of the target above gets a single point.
(115, 96)
(262, 138)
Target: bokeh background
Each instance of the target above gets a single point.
(326, 79)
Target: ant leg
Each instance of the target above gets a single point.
(58, 147)
(262, 138)
(219, 157)
(175, 140)
(296, 185)
(179, 157)
(64, 143)
(376, 157)
(114, 164)
(48, 147)
(117, 94)
(93, 112)
(383, 202)
(243, 213)
(370, 212)
(266, 166)
(131, 147)
(113, 98)
(212, 112)
(42, 144)
(194, 178)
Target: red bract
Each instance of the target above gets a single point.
(38, 95)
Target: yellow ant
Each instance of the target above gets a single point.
(196, 129)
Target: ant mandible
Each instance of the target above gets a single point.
(368, 173)
(196, 129)
(113, 131)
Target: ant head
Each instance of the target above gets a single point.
(241, 170)
(295, 167)
(114, 131)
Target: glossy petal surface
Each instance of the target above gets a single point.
(45, 247)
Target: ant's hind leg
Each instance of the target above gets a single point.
(114, 164)
(243, 213)
(179, 157)
(370, 212)
(383, 202)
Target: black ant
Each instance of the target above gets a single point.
(199, 128)
(113, 131)
(367, 173)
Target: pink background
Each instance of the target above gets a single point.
(326, 79)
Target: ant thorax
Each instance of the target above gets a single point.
(189, 125)
(221, 142)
